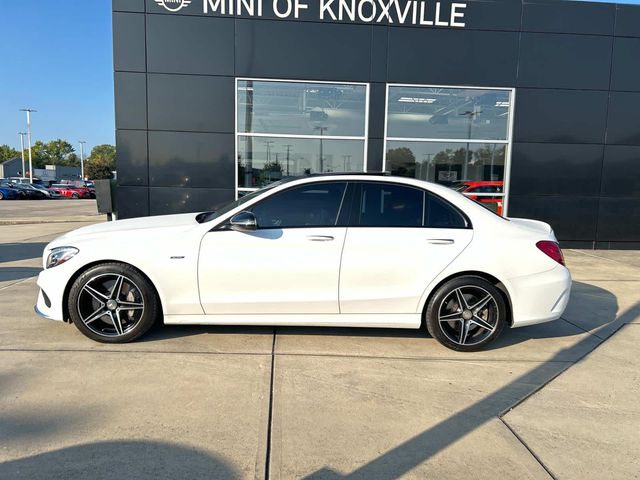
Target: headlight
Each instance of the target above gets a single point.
(59, 255)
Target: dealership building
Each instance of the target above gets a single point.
(531, 106)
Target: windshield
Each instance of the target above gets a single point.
(208, 216)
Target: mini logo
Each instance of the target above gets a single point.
(173, 5)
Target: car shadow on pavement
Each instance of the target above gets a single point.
(120, 459)
(405, 457)
(12, 252)
(8, 274)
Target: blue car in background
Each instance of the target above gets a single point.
(8, 193)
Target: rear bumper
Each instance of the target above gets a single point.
(540, 298)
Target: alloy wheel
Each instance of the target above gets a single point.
(468, 315)
(110, 304)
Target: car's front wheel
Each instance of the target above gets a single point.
(466, 314)
(113, 303)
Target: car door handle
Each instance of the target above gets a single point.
(319, 238)
(441, 241)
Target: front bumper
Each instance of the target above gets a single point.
(540, 298)
(52, 283)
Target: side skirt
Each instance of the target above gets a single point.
(378, 320)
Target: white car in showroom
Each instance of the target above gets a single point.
(328, 250)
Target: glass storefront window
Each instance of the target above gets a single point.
(288, 128)
(446, 163)
(458, 137)
(298, 108)
(448, 113)
(262, 160)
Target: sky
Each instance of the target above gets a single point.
(57, 58)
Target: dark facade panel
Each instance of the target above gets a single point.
(628, 20)
(128, 6)
(560, 116)
(568, 17)
(555, 169)
(130, 100)
(307, 51)
(564, 61)
(128, 42)
(623, 125)
(379, 41)
(452, 57)
(377, 100)
(132, 162)
(168, 200)
(375, 152)
(621, 171)
(625, 72)
(191, 103)
(132, 202)
(619, 219)
(572, 218)
(195, 45)
(179, 159)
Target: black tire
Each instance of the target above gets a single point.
(136, 307)
(1, 196)
(463, 323)
(75, 195)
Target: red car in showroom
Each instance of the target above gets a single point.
(72, 191)
(472, 188)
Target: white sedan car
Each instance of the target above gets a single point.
(334, 250)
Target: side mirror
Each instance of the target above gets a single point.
(243, 222)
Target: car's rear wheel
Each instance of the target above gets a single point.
(75, 195)
(113, 303)
(466, 314)
(1, 196)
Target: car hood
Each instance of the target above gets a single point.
(533, 225)
(130, 225)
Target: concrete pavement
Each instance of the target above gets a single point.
(285, 403)
(61, 210)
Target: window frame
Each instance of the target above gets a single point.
(508, 142)
(364, 138)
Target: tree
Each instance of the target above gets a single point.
(401, 161)
(105, 152)
(57, 152)
(7, 153)
(99, 168)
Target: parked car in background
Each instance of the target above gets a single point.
(71, 191)
(48, 192)
(31, 192)
(485, 188)
(81, 183)
(8, 192)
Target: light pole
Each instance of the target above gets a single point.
(288, 147)
(29, 110)
(22, 134)
(81, 142)
(322, 130)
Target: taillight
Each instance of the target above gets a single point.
(551, 249)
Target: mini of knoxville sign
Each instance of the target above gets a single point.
(400, 12)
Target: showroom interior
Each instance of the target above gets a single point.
(531, 107)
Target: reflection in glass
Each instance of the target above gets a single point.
(447, 113)
(296, 108)
(262, 160)
(447, 163)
